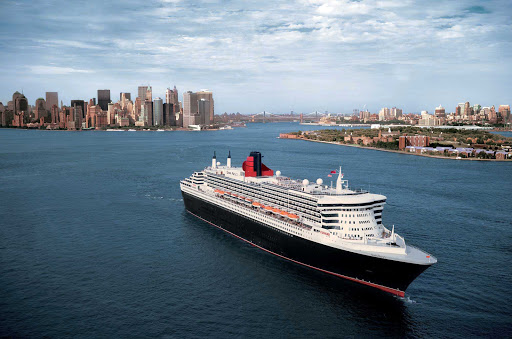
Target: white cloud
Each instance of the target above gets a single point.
(55, 70)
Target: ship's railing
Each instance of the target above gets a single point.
(270, 215)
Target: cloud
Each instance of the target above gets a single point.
(55, 70)
(275, 45)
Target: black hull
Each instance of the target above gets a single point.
(388, 275)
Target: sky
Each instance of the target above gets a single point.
(278, 56)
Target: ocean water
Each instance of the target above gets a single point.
(95, 242)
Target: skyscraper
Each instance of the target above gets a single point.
(80, 103)
(169, 117)
(127, 96)
(103, 98)
(52, 98)
(142, 92)
(148, 112)
(207, 95)
(158, 108)
(203, 108)
(189, 109)
(149, 94)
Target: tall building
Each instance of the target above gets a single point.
(468, 110)
(169, 117)
(440, 112)
(148, 112)
(171, 97)
(142, 92)
(190, 112)
(504, 111)
(77, 116)
(80, 103)
(127, 96)
(103, 98)
(149, 94)
(110, 113)
(207, 95)
(383, 114)
(396, 112)
(203, 108)
(158, 112)
(40, 109)
(52, 98)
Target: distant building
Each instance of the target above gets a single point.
(208, 96)
(40, 109)
(158, 112)
(203, 108)
(383, 114)
(396, 112)
(77, 116)
(440, 112)
(413, 140)
(148, 112)
(169, 115)
(52, 98)
(142, 92)
(103, 98)
(190, 112)
(149, 93)
(126, 96)
(110, 114)
(504, 111)
(80, 103)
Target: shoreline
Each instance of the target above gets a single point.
(399, 152)
(111, 130)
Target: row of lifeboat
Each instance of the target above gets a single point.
(271, 209)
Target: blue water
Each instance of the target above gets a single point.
(95, 242)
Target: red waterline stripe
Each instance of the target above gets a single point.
(380, 287)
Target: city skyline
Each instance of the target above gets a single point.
(296, 55)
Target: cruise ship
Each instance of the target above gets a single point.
(333, 229)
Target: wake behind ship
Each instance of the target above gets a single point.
(335, 230)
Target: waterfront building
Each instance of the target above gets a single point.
(54, 112)
(148, 112)
(207, 96)
(52, 98)
(203, 108)
(77, 116)
(190, 114)
(110, 114)
(80, 103)
(413, 140)
(158, 112)
(39, 109)
(3, 121)
(103, 98)
(169, 117)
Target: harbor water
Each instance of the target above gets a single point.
(95, 241)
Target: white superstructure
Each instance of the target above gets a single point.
(335, 216)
